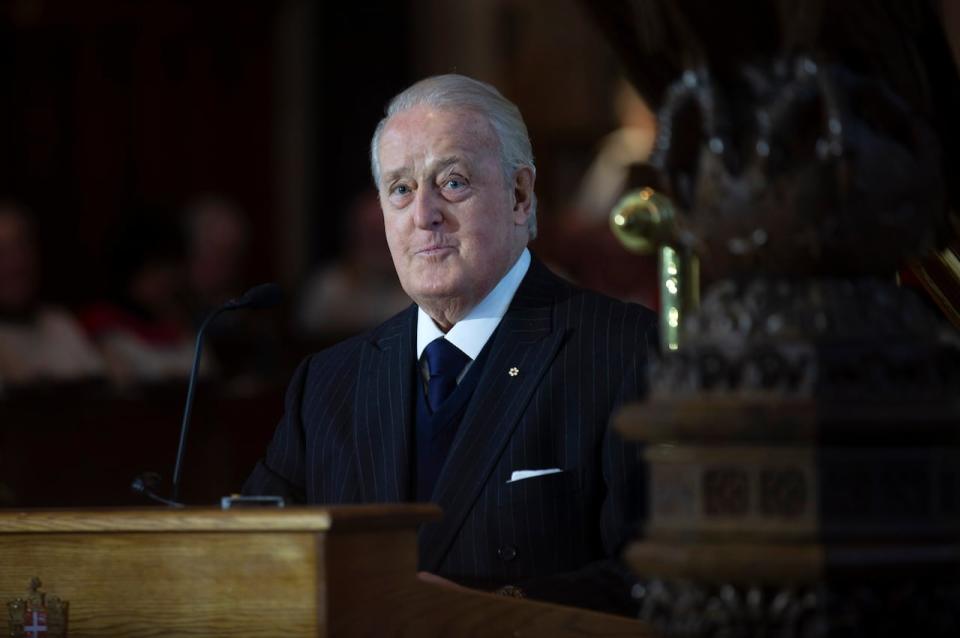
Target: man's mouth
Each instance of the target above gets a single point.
(434, 250)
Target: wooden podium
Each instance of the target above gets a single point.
(339, 571)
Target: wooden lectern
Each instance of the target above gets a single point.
(339, 571)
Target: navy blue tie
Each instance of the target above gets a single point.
(445, 362)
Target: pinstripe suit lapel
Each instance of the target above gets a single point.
(383, 410)
(526, 340)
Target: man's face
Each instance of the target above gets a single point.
(454, 225)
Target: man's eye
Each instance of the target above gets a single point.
(400, 189)
(454, 183)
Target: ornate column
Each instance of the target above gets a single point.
(803, 440)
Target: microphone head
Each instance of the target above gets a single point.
(263, 296)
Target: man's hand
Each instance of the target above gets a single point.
(433, 579)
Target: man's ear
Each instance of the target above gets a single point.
(523, 181)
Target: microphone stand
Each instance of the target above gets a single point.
(262, 296)
(191, 389)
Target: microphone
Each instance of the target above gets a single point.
(265, 295)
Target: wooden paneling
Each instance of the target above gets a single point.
(153, 584)
(306, 519)
(261, 573)
(68, 449)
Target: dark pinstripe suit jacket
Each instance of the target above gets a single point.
(347, 436)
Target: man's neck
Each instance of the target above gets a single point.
(445, 315)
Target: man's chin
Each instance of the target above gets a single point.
(438, 292)
(435, 294)
(436, 280)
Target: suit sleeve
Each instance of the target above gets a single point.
(281, 471)
(605, 585)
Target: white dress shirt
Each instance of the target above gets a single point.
(472, 332)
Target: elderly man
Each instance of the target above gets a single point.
(491, 396)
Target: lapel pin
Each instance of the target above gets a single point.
(513, 371)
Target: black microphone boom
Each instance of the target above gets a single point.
(263, 296)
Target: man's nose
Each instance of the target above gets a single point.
(427, 213)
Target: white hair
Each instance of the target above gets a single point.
(453, 91)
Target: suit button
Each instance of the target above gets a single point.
(507, 553)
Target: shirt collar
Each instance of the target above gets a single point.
(472, 332)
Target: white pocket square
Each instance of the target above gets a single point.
(520, 475)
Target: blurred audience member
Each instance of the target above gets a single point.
(144, 328)
(574, 245)
(244, 343)
(218, 237)
(622, 154)
(37, 342)
(361, 289)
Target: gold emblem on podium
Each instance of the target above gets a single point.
(38, 615)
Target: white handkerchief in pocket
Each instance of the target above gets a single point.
(521, 475)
